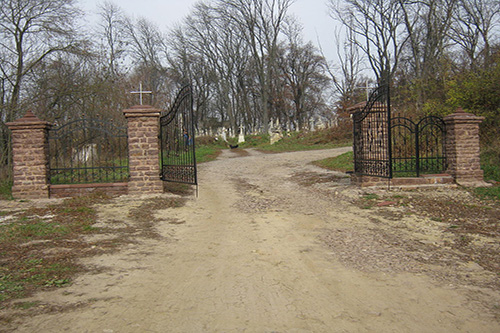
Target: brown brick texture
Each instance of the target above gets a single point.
(30, 157)
(144, 163)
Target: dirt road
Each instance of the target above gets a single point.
(249, 256)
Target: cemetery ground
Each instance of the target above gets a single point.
(272, 244)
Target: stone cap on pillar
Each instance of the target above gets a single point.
(29, 121)
(460, 116)
(142, 111)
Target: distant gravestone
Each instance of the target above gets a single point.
(85, 153)
(241, 137)
(276, 134)
(224, 136)
(275, 137)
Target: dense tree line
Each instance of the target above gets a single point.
(427, 49)
(247, 61)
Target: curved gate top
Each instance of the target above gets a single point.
(372, 136)
(178, 160)
(418, 147)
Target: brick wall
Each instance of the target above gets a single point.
(31, 153)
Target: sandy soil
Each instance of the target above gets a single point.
(259, 251)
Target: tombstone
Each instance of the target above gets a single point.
(85, 153)
(276, 134)
(224, 137)
(275, 137)
(241, 137)
(311, 125)
(321, 124)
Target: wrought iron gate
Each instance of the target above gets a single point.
(418, 148)
(88, 151)
(178, 160)
(372, 136)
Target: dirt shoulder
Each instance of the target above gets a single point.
(276, 244)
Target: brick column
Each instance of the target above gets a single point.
(144, 160)
(462, 148)
(30, 150)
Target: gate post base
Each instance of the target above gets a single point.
(144, 161)
(367, 181)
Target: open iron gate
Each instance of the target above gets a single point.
(372, 136)
(178, 160)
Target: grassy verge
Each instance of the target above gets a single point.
(208, 148)
(207, 153)
(300, 141)
(25, 241)
(341, 163)
(490, 163)
(40, 248)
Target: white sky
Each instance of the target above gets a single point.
(313, 14)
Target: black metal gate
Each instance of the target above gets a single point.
(88, 151)
(372, 136)
(418, 148)
(178, 160)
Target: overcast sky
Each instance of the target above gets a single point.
(313, 14)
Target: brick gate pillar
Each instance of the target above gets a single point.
(143, 147)
(463, 148)
(30, 150)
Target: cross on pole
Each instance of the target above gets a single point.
(141, 92)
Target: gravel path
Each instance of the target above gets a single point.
(252, 254)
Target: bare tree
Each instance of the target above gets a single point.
(346, 75)
(111, 30)
(262, 23)
(475, 23)
(378, 27)
(427, 24)
(148, 51)
(303, 70)
(30, 32)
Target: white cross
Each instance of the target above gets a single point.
(140, 92)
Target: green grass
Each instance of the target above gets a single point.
(89, 175)
(206, 153)
(32, 273)
(302, 141)
(26, 268)
(341, 163)
(252, 141)
(208, 148)
(31, 230)
(406, 167)
(488, 192)
(490, 163)
(5, 190)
